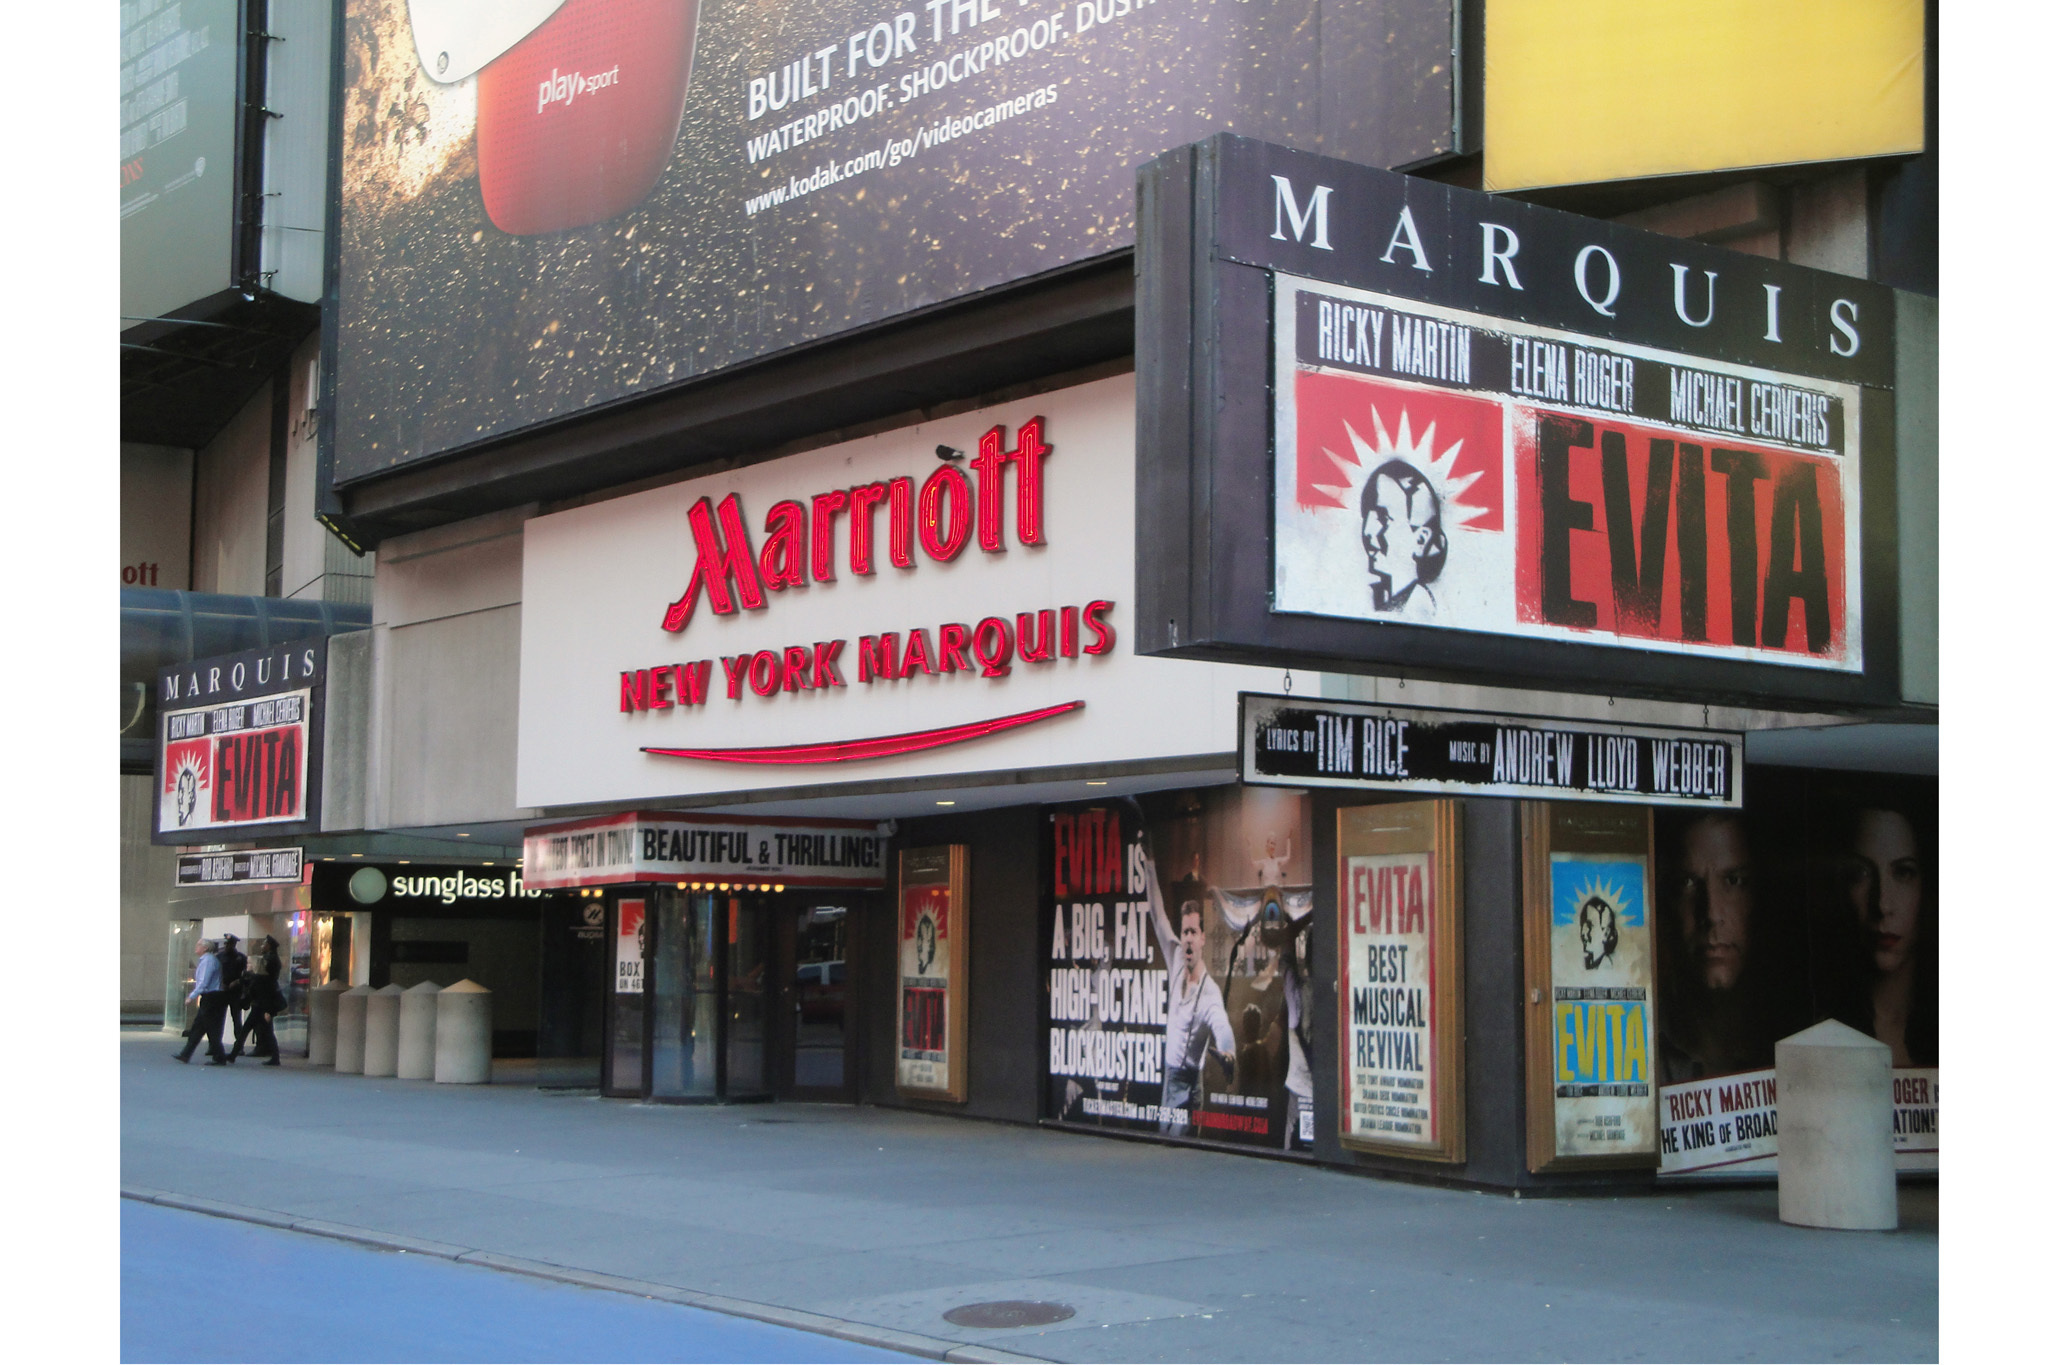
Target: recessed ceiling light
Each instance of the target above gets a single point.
(403, 861)
(1098, 782)
(462, 836)
(945, 803)
(355, 855)
(488, 863)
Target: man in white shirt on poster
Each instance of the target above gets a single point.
(1195, 1018)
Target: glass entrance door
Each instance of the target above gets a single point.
(816, 1042)
(683, 1028)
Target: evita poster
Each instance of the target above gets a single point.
(1177, 940)
(1817, 900)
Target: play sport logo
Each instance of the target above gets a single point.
(549, 156)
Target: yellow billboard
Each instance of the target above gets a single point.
(1588, 90)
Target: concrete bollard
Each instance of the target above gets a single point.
(380, 1032)
(417, 1009)
(349, 1020)
(462, 1034)
(322, 1006)
(1835, 1162)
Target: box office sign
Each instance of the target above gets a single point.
(622, 195)
(1505, 440)
(1299, 742)
(725, 850)
(931, 974)
(628, 975)
(239, 743)
(1398, 978)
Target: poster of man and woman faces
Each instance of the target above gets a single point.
(1178, 946)
(1815, 901)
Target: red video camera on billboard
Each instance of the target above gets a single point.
(579, 102)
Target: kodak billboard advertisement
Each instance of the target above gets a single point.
(551, 205)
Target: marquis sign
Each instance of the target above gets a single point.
(719, 850)
(944, 598)
(239, 744)
(1504, 440)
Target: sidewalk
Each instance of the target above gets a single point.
(878, 1217)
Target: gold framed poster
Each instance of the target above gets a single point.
(1590, 968)
(931, 973)
(1400, 974)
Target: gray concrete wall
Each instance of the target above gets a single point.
(156, 516)
(147, 872)
(1919, 442)
(316, 564)
(231, 503)
(1004, 987)
(443, 731)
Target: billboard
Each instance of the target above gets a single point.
(1440, 467)
(239, 745)
(1178, 997)
(1387, 423)
(1824, 80)
(179, 62)
(556, 204)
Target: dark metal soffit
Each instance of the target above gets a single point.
(183, 376)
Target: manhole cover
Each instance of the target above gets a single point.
(1008, 1313)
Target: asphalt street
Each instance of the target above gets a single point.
(882, 1220)
(349, 1303)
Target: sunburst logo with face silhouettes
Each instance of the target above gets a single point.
(1407, 497)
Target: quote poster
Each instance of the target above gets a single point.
(1601, 970)
(1177, 984)
(1397, 981)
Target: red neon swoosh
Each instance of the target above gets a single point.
(882, 746)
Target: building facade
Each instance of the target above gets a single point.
(774, 437)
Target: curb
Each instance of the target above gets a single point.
(885, 1338)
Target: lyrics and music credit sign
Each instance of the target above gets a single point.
(250, 867)
(1305, 742)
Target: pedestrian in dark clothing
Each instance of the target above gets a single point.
(232, 965)
(264, 1001)
(206, 989)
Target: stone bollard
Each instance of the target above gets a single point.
(416, 1012)
(1835, 1162)
(462, 1035)
(380, 1032)
(322, 1006)
(349, 1021)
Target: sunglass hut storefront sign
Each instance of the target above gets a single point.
(943, 598)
